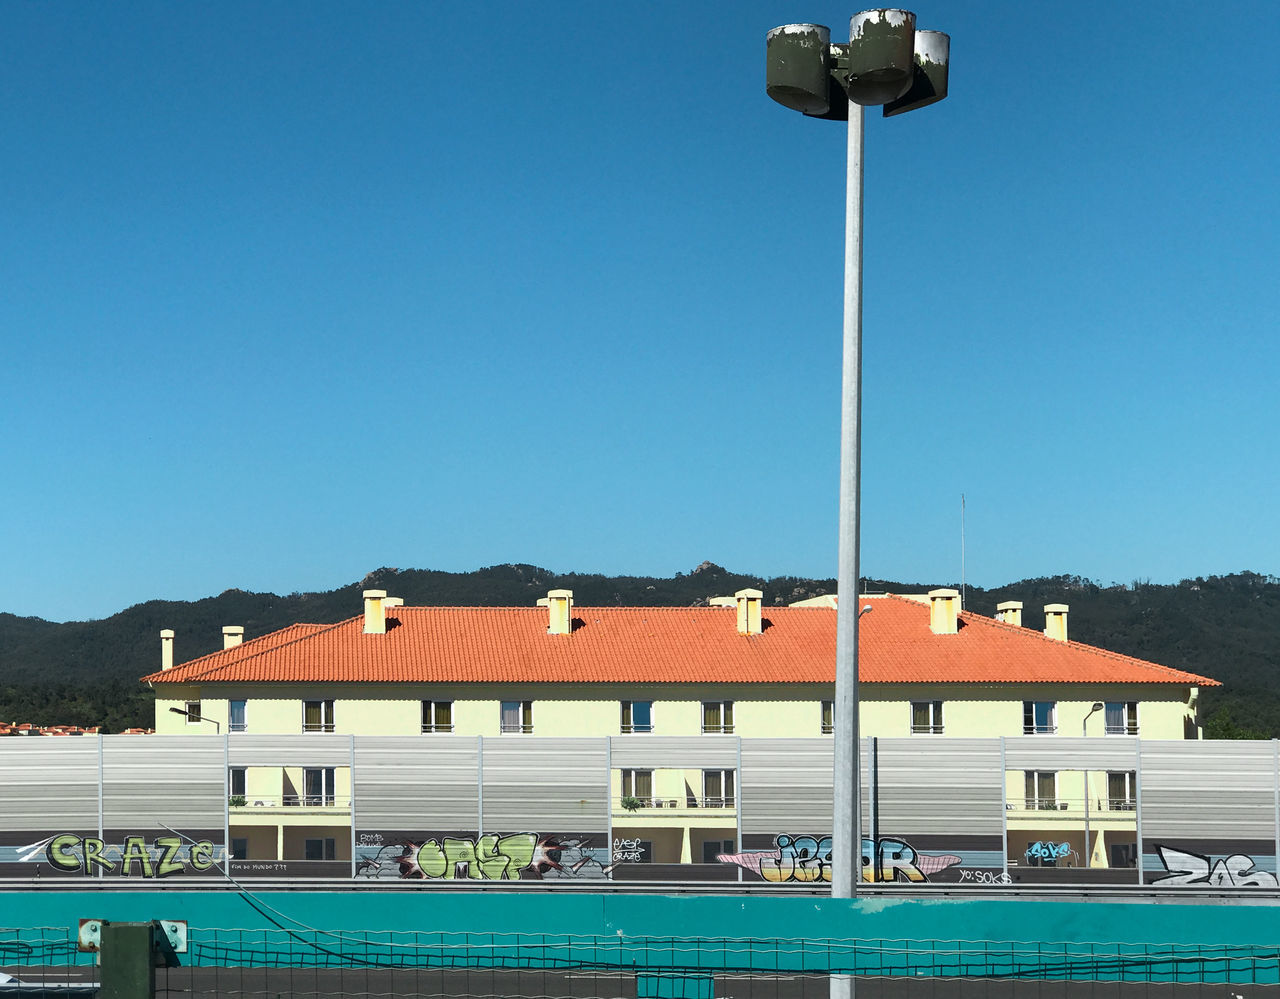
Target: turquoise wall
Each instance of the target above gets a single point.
(569, 920)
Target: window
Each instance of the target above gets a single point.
(1122, 717)
(517, 716)
(317, 783)
(236, 717)
(717, 788)
(828, 717)
(1122, 790)
(926, 717)
(437, 716)
(1039, 717)
(317, 716)
(320, 849)
(637, 716)
(717, 717)
(1042, 790)
(236, 782)
(638, 784)
(239, 847)
(192, 709)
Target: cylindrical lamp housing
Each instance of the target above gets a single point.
(798, 67)
(881, 55)
(933, 58)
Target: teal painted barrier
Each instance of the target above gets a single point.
(699, 934)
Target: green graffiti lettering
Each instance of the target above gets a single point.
(460, 853)
(59, 852)
(166, 865)
(135, 848)
(493, 865)
(93, 857)
(201, 855)
(431, 859)
(518, 847)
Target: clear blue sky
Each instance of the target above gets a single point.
(290, 291)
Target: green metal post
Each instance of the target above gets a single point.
(128, 969)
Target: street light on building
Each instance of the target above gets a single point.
(193, 717)
(888, 63)
(1084, 732)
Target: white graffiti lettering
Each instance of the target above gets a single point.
(1235, 871)
(986, 877)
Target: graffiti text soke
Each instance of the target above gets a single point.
(1236, 871)
(1047, 853)
(69, 852)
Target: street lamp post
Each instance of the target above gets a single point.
(191, 716)
(886, 62)
(1084, 732)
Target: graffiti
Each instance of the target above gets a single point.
(627, 850)
(1044, 854)
(165, 857)
(491, 857)
(985, 877)
(370, 839)
(1235, 871)
(808, 858)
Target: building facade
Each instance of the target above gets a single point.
(502, 675)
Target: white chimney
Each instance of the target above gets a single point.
(1055, 621)
(1010, 612)
(749, 601)
(232, 635)
(559, 604)
(166, 648)
(944, 612)
(375, 614)
(393, 602)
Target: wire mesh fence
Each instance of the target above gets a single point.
(314, 963)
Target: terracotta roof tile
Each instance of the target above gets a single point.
(662, 645)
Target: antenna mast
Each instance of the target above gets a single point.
(962, 551)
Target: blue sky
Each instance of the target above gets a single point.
(291, 291)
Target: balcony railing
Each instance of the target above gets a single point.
(634, 803)
(1039, 729)
(429, 729)
(926, 729)
(316, 801)
(317, 726)
(517, 728)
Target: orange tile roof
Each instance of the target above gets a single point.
(662, 645)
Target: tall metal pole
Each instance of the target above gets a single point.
(846, 840)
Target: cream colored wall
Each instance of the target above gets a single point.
(760, 710)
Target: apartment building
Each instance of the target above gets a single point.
(927, 671)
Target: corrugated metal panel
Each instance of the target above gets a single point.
(545, 785)
(693, 752)
(315, 749)
(786, 786)
(416, 783)
(49, 784)
(1208, 790)
(936, 786)
(163, 780)
(1052, 752)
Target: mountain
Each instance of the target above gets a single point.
(85, 672)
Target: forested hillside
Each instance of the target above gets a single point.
(86, 672)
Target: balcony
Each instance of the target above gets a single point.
(671, 806)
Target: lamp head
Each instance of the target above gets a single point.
(881, 55)
(929, 82)
(798, 67)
